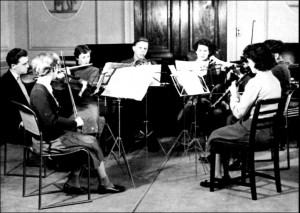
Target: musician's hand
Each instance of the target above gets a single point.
(60, 75)
(84, 86)
(68, 70)
(79, 121)
(233, 88)
(214, 60)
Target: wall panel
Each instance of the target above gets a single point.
(50, 33)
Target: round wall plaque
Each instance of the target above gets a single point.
(63, 9)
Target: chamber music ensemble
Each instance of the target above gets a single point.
(72, 110)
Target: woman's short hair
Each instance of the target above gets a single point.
(276, 46)
(139, 40)
(211, 47)
(261, 55)
(83, 48)
(14, 55)
(45, 62)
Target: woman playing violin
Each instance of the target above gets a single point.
(58, 129)
(212, 70)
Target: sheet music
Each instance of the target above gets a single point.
(109, 68)
(156, 73)
(188, 83)
(200, 68)
(129, 82)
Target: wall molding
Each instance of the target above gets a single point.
(63, 28)
(5, 29)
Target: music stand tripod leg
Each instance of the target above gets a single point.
(196, 143)
(184, 133)
(118, 142)
(147, 134)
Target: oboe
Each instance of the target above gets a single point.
(228, 90)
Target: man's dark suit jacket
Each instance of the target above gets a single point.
(10, 117)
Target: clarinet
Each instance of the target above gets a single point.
(227, 91)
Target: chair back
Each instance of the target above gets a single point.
(29, 119)
(292, 111)
(265, 119)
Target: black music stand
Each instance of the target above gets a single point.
(106, 127)
(196, 145)
(188, 84)
(101, 84)
(108, 134)
(147, 133)
(119, 143)
(131, 83)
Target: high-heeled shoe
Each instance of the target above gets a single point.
(74, 190)
(115, 189)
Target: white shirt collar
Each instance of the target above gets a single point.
(46, 83)
(16, 76)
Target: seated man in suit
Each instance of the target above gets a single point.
(12, 89)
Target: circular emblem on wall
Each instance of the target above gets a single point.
(63, 9)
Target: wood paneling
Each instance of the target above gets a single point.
(172, 27)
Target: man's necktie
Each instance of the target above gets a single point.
(23, 89)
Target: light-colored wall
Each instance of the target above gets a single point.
(28, 25)
(272, 20)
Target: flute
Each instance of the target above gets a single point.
(228, 90)
(80, 66)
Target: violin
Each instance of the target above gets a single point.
(29, 77)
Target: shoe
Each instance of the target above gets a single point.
(205, 159)
(115, 189)
(236, 165)
(74, 190)
(218, 184)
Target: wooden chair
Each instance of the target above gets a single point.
(31, 126)
(289, 112)
(249, 148)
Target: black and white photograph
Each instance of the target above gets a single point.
(149, 106)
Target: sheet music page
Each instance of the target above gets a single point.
(200, 68)
(156, 73)
(129, 82)
(172, 69)
(106, 73)
(189, 83)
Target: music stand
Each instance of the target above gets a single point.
(188, 84)
(131, 83)
(100, 84)
(106, 127)
(147, 133)
(195, 143)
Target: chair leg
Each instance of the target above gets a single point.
(212, 170)
(277, 170)
(287, 148)
(225, 161)
(24, 171)
(5, 157)
(244, 168)
(252, 176)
